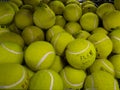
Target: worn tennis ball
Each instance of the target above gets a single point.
(102, 43)
(100, 30)
(7, 13)
(80, 53)
(32, 33)
(115, 38)
(53, 31)
(60, 42)
(57, 6)
(44, 17)
(91, 19)
(72, 78)
(39, 55)
(60, 20)
(115, 60)
(13, 77)
(72, 27)
(117, 4)
(102, 64)
(23, 14)
(104, 8)
(101, 80)
(46, 80)
(72, 12)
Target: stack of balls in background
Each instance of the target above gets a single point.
(59, 45)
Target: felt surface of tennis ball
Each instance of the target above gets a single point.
(10, 53)
(14, 6)
(72, 12)
(32, 2)
(39, 55)
(72, 2)
(115, 60)
(23, 15)
(99, 30)
(51, 32)
(117, 4)
(102, 64)
(60, 20)
(44, 17)
(87, 2)
(32, 33)
(57, 6)
(72, 78)
(13, 77)
(111, 20)
(60, 42)
(18, 2)
(101, 80)
(80, 53)
(46, 80)
(102, 43)
(115, 38)
(7, 13)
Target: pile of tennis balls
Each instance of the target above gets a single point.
(59, 45)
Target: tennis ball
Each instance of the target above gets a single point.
(72, 78)
(23, 14)
(13, 77)
(102, 43)
(104, 8)
(18, 2)
(91, 19)
(72, 12)
(87, 2)
(72, 2)
(72, 27)
(102, 64)
(39, 55)
(6, 14)
(100, 30)
(14, 6)
(80, 53)
(111, 20)
(32, 2)
(60, 42)
(117, 4)
(57, 6)
(10, 53)
(101, 80)
(52, 31)
(46, 80)
(60, 20)
(44, 17)
(32, 33)
(115, 60)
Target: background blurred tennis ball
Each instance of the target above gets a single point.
(14, 6)
(60, 20)
(117, 4)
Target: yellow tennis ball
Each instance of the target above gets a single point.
(100, 30)
(60, 20)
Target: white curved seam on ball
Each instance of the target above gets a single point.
(107, 66)
(31, 34)
(12, 51)
(115, 85)
(82, 51)
(101, 40)
(92, 80)
(43, 58)
(117, 38)
(6, 15)
(56, 39)
(75, 85)
(52, 33)
(52, 80)
(16, 83)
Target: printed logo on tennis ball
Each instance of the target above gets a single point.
(117, 4)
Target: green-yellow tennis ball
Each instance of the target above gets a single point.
(53, 31)
(87, 2)
(100, 30)
(60, 42)
(102, 64)
(57, 6)
(18, 2)
(101, 80)
(72, 12)
(44, 17)
(102, 43)
(72, 78)
(115, 38)
(23, 18)
(72, 27)
(73, 1)
(14, 6)
(115, 60)
(111, 20)
(57, 64)
(7, 13)
(104, 8)
(32, 2)
(39, 55)
(32, 33)
(4, 30)
(117, 4)
(60, 20)
(10, 53)
(80, 53)
(46, 80)
(89, 21)
(13, 77)
(12, 37)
